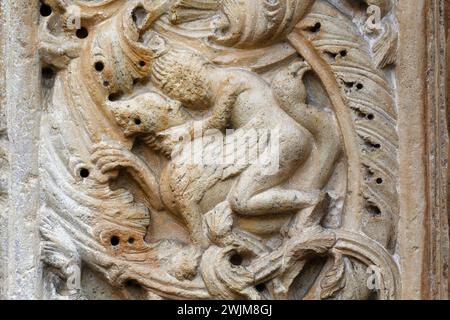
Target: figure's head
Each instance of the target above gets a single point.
(184, 75)
(148, 113)
(288, 83)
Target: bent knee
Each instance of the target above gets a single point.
(295, 147)
(238, 202)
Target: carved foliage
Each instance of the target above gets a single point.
(123, 198)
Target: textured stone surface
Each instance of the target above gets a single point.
(220, 149)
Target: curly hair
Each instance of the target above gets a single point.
(182, 75)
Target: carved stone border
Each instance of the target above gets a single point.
(423, 225)
(3, 154)
(436, 263)
(422, 101)
(447, 76)
(19, 250)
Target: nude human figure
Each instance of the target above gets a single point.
(238, 99)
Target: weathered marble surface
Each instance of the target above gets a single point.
(222, 149)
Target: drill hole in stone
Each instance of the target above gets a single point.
(370, 145)
(45, 10)
(379, 181)
(137, 121)
(82, 33)
(115, 240)
(106, 83)
(99, 66)
(373, 210)
(131, 241)
(236, 259)
(343, 53)
(359, 86)
(142, 63)
(115, 96)
(84, 173)
(348, 84)
(370, 117)
(48, 73)
(331, 55)
(316, 27)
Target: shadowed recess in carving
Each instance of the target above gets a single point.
(45, 10)
(82, 33)
(47, 73)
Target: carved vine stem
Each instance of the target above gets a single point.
(323, 71)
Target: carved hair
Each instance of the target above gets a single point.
(181, 74)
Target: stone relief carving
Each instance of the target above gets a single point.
(220, 149)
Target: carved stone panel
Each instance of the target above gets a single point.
(223, 149)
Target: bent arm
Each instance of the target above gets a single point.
(109, 158)
(222, 110)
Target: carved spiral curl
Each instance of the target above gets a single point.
(248, 24)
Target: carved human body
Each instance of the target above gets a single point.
(254, 192)
(273, 220)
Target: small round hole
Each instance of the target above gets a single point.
(45, 10)
(370, 117)
(359, 86)
(236, 259)
(106, 83)
(84, 173)
(343, 53)
(379, 181)
(137, 121)
(82, 33)
(48, 73)
(131, 241)
(99, 66)
(142, 63)
(316, 27)
(373, 210)
(115, 96)
(115, 240)
(377, 146)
